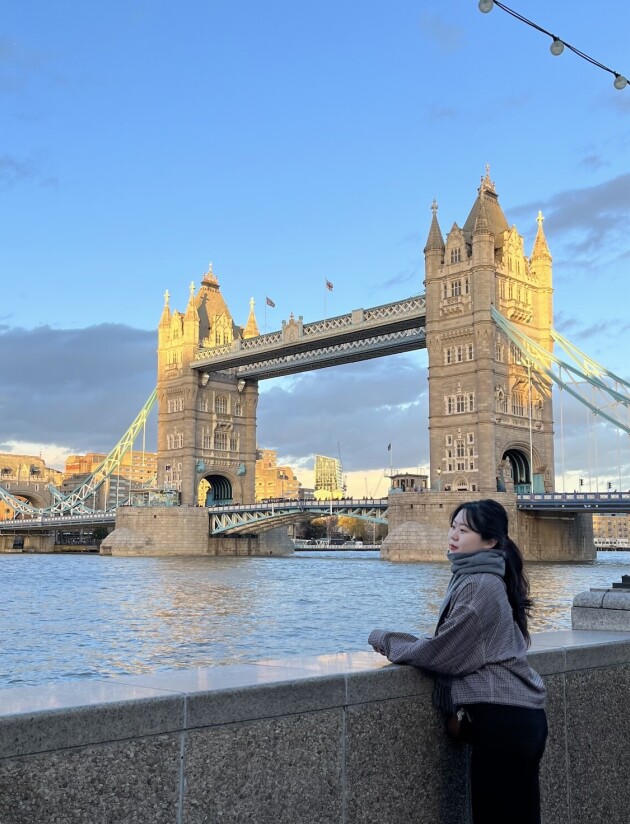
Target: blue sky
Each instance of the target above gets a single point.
(287, 144)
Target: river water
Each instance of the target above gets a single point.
(65, 617)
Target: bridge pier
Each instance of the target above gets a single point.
(184, 530)
(418, 523)
(25, 542)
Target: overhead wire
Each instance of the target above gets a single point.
(558, 44)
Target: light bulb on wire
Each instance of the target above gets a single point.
(557, 45)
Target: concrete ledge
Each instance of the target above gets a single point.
(333, 738)
(601, 609)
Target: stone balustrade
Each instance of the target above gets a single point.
(334, 739)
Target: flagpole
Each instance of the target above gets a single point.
(265, 315)
(325, 290)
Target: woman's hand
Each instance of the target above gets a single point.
(376, 641)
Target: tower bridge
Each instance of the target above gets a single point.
(490, 424)
(485, 319)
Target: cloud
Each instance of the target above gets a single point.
(404, 276)
(19, 64)
(78, 389)
(355, 410)
(599, 215)
(14, 171)
(593, 161)
(54, 456)
(440, 113)
(447, 37)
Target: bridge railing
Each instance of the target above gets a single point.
(602, 502)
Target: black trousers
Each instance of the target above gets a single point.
(507, 745)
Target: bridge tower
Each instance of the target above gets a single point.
(206, 420)
(490, 416)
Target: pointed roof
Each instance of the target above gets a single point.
(540, 250)
(435, 241)
(251, 327)
(210, 303)
(482, 222)
(494, 213)
(165, 319)
(191, 309)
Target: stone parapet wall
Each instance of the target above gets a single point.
(337, 739)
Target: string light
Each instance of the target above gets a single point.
(557, 45)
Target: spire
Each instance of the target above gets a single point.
(482, 223)
(191, 309)
(210, 279)
(487, 185)
(540, 250)
(251, 327)
(435, 241)
(166, 312)
(494, 214)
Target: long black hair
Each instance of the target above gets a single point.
(490, 520)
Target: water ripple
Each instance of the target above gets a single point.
(70, 617)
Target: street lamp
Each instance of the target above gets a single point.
(439, 474)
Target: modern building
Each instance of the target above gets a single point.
(328, 478)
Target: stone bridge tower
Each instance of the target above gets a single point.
(490, 416)
(206, 421)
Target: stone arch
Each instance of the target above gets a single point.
(460, 484)
(215, 489)
(520, 468)
(35, 500)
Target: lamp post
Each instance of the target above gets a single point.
(439, 479)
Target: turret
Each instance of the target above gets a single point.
(434, 249)
(251, 327)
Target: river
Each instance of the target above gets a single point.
(65, 617)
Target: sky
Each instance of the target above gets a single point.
(288, 144)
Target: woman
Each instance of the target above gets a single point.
(491, 696)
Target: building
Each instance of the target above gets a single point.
(26, 477)
(490, 421)
(206, 421)
(611, 531)
(328, 478)
(408, 482)
(137, 470)
(273, 481)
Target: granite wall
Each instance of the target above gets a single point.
(336, 739)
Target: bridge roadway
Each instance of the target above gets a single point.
(270, 514)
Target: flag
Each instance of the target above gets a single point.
(389, 447)
(270, 303)
(329, 285)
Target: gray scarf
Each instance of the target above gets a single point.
(485, 560)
